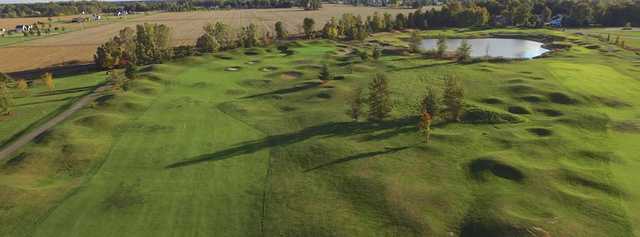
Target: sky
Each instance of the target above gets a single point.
(32, 1)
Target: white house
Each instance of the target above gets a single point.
(22, 28)
(3, 31)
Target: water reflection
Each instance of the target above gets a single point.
(494, 47)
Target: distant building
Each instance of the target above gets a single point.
(23, 28)
(3, 31)
(556, 21)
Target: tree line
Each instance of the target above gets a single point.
(53, 9)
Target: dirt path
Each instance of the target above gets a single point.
(24, 139)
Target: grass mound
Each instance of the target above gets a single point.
(521, 88)
(561, 98)
(597, 156)
(477, 115)
(255, 83)
(233, 69)
(234, 92)
(98, 121)
(485, 227)
(541, 132)
(550, 112)
(291, 75)
(532, 98)
(630, 126)
(575, 179)
(518, 110)
(479, 168)
(268, 69)
(492, 101)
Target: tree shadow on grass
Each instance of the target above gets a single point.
(46, 101)
(422, 66)
(327, 130)
(299, 87)
(358, 157)
(67, 91)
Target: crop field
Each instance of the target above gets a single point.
(79, 46)
(250, 143)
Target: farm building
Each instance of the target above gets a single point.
(556, 21)
(3, 31)
(22, 28)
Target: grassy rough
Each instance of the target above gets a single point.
(203, 151)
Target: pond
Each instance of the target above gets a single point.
(494, 47)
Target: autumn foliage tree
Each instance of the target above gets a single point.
(47, 80)
(379, 98)
(23, 87)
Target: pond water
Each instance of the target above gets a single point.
(494, 47)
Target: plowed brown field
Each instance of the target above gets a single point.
(187, 26)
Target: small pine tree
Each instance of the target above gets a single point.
(308, 27)
(429, 103)
(442, 46)
(281, 32)
(117, 81)
(464, 51)
(414, 42)
(379, 98)
(453, 98)
(47, 80)
(130, 71)
(23, 87)
(355, 102)
(6, 100)
(376, 53)
(325, 74)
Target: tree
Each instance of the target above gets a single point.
(429, 103)
(207, 43)
(23, 87)
(47, 80)
(117, 80)
(379, 98)
(376, 53)
(130, 71)
(153, 43)
(325, 74)
(6, 100)
(414, 42)
(249, 36)
(330, 30)
(464, 51)
(442, 46)
(281, 32)
(453, 98)
(355, 102)
(425, 125)
(308, 25)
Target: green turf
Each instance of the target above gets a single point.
(197, 149)
(40, 103)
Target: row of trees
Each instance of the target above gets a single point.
(449, 107)
(148, 44)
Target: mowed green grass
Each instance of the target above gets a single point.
(197, 149)
(630, 37)
(40, 103)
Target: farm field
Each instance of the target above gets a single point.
(631, 37)
(249, 142)
(80, 46)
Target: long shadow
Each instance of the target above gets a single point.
(422, 66)
(46, 101)
(332, 129)
(297, 88)
(358, 157)
(66, 91)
